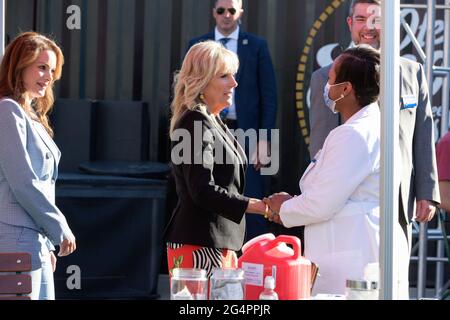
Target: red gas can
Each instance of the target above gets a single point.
(266, 255)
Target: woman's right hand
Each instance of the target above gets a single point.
(67, 246)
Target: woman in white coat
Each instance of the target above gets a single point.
(29, 219)
(339, 203)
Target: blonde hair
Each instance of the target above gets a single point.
(202, 63)
(19, 54)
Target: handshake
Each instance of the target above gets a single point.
(270, 206)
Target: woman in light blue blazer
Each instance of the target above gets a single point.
(29, 218)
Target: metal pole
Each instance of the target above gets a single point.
(423, 6)
(413, 39)
(441, 71)
(444, 128)
(422, 265)
(390, 179)
(439, 276)
(2, 28)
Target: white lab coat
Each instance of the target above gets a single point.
(339, 204)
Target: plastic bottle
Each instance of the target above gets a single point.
(268, 292)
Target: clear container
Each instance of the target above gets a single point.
(227, 284)
(188, 284)
(361, 290)
(269, 293)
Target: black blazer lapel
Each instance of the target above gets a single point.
(226, 136)
(237, 147)
(234, 144)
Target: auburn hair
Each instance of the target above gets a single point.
(19, 54)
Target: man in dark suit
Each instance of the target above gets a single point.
(255, 100)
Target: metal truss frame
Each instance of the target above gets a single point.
(421, 231)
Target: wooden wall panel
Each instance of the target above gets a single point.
(112, 54)
(90, 35)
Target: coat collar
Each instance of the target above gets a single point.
(48, 141)
(234, 35)
(371, 109)
(232, 141)
(226, 135)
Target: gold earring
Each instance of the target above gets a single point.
(202, 97)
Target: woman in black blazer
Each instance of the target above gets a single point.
(207, 226)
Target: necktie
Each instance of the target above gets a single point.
(224, 112)
(224, 41)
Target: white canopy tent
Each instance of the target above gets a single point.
(390, 179)
(389, 136)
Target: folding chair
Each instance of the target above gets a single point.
(13, 284)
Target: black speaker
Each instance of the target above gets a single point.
(118, 223)
(121, 131)
(72, 125)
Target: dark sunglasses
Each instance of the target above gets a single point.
(221, 11)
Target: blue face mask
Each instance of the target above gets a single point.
(331, 104)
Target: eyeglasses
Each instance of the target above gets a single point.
(221, 11)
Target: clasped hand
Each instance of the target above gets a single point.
(269, 207)
(273, 204)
